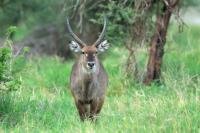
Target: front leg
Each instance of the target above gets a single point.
(100, 104)
(81, 109)
(95, 107)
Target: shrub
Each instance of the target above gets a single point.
(9, 65)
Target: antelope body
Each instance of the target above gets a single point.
(88, 79)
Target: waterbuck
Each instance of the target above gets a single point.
(88, 79)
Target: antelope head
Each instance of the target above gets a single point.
(89, 53)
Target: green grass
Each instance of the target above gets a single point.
(44, 103)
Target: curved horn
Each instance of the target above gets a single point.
(101, 36)
(73, 35)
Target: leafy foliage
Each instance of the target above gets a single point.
(120, 17)
(32, 12)
(10, 66)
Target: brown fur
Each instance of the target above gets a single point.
(92, 49)
(88, 88)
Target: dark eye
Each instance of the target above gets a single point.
(96, 52)
(83, 52)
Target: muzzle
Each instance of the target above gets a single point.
(91, 65)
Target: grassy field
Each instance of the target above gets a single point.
(44, 103)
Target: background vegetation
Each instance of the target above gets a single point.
(42, 101)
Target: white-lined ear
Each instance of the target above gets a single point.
(103, 46)
(74, 46)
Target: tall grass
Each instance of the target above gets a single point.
(44, 103)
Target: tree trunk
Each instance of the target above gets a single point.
(157, 42)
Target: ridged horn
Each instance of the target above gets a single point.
(101, 36)
(74, 35)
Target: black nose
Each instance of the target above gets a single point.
(90, 64)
